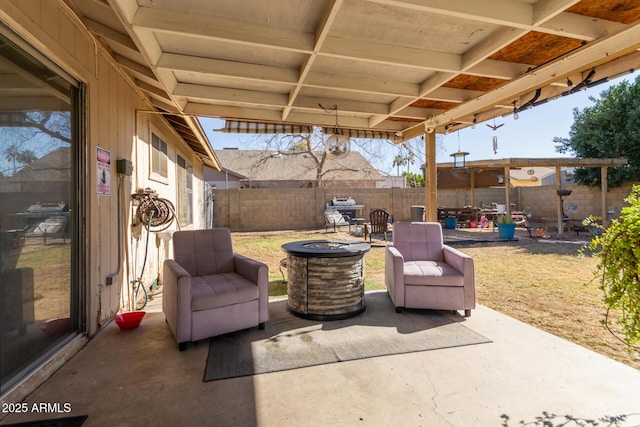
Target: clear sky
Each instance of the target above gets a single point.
(529, 136)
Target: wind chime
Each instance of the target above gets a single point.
(495, 137)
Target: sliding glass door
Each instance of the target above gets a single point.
(39, 200)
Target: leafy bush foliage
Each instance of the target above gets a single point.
(608, 128)
(618, 250)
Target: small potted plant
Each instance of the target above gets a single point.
(506, 226)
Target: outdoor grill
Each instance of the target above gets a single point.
(346, 206)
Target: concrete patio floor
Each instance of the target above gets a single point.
(138, 378)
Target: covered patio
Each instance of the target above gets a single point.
(391, 69)
(523, 375)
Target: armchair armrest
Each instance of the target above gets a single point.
(250, 269)
(258, 273)
(176, 299)
(464, 264)
(458, 260)
(394, 275)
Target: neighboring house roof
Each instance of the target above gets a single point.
(53, 166)
(259, 165)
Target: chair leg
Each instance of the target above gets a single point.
(182, 346)
(467, 313)
(398, 309)
(261, 325)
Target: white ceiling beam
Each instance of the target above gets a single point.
(208, 66)
(330, 15)
(449, 94)
(418, 113)
(222, 29)
(388, 54)
(428, 86)
(490, 45)
(153, 90)
(239, 96)
(344, 105)
(500, 12)
(135, 67)
(232, 112)
(543, 10)
(361, 84)
(580, 27)
(110, 34)
(498, 69)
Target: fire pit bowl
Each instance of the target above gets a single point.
(326, 278)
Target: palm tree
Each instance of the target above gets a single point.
(13, 154)
(27, 157)
(398, 161)
(409, 159)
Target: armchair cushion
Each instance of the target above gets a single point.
(219, 290)
(431, 273)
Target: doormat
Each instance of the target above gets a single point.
(289, 342)
(53, 422)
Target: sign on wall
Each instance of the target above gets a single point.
(103, 170)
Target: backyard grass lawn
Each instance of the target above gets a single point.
(546, 285)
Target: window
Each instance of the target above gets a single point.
(158, 156)
(184, 178)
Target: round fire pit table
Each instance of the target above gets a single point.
(326, 278)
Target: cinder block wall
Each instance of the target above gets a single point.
(302, 208)
(299, 208)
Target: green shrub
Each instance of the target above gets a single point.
(618, 272)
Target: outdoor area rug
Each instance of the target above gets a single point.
(289, 342)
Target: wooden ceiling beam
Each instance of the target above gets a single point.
(236, 32)
(322, 32)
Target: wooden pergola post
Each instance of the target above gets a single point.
(507, 189)
(472, 184)
(559, 201)
(603, 190)
(431, 175)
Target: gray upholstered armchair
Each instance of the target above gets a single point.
(209, 290)
(422, 272)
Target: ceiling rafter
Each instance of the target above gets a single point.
(435, 60)
(223, 29)
(330, 15)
